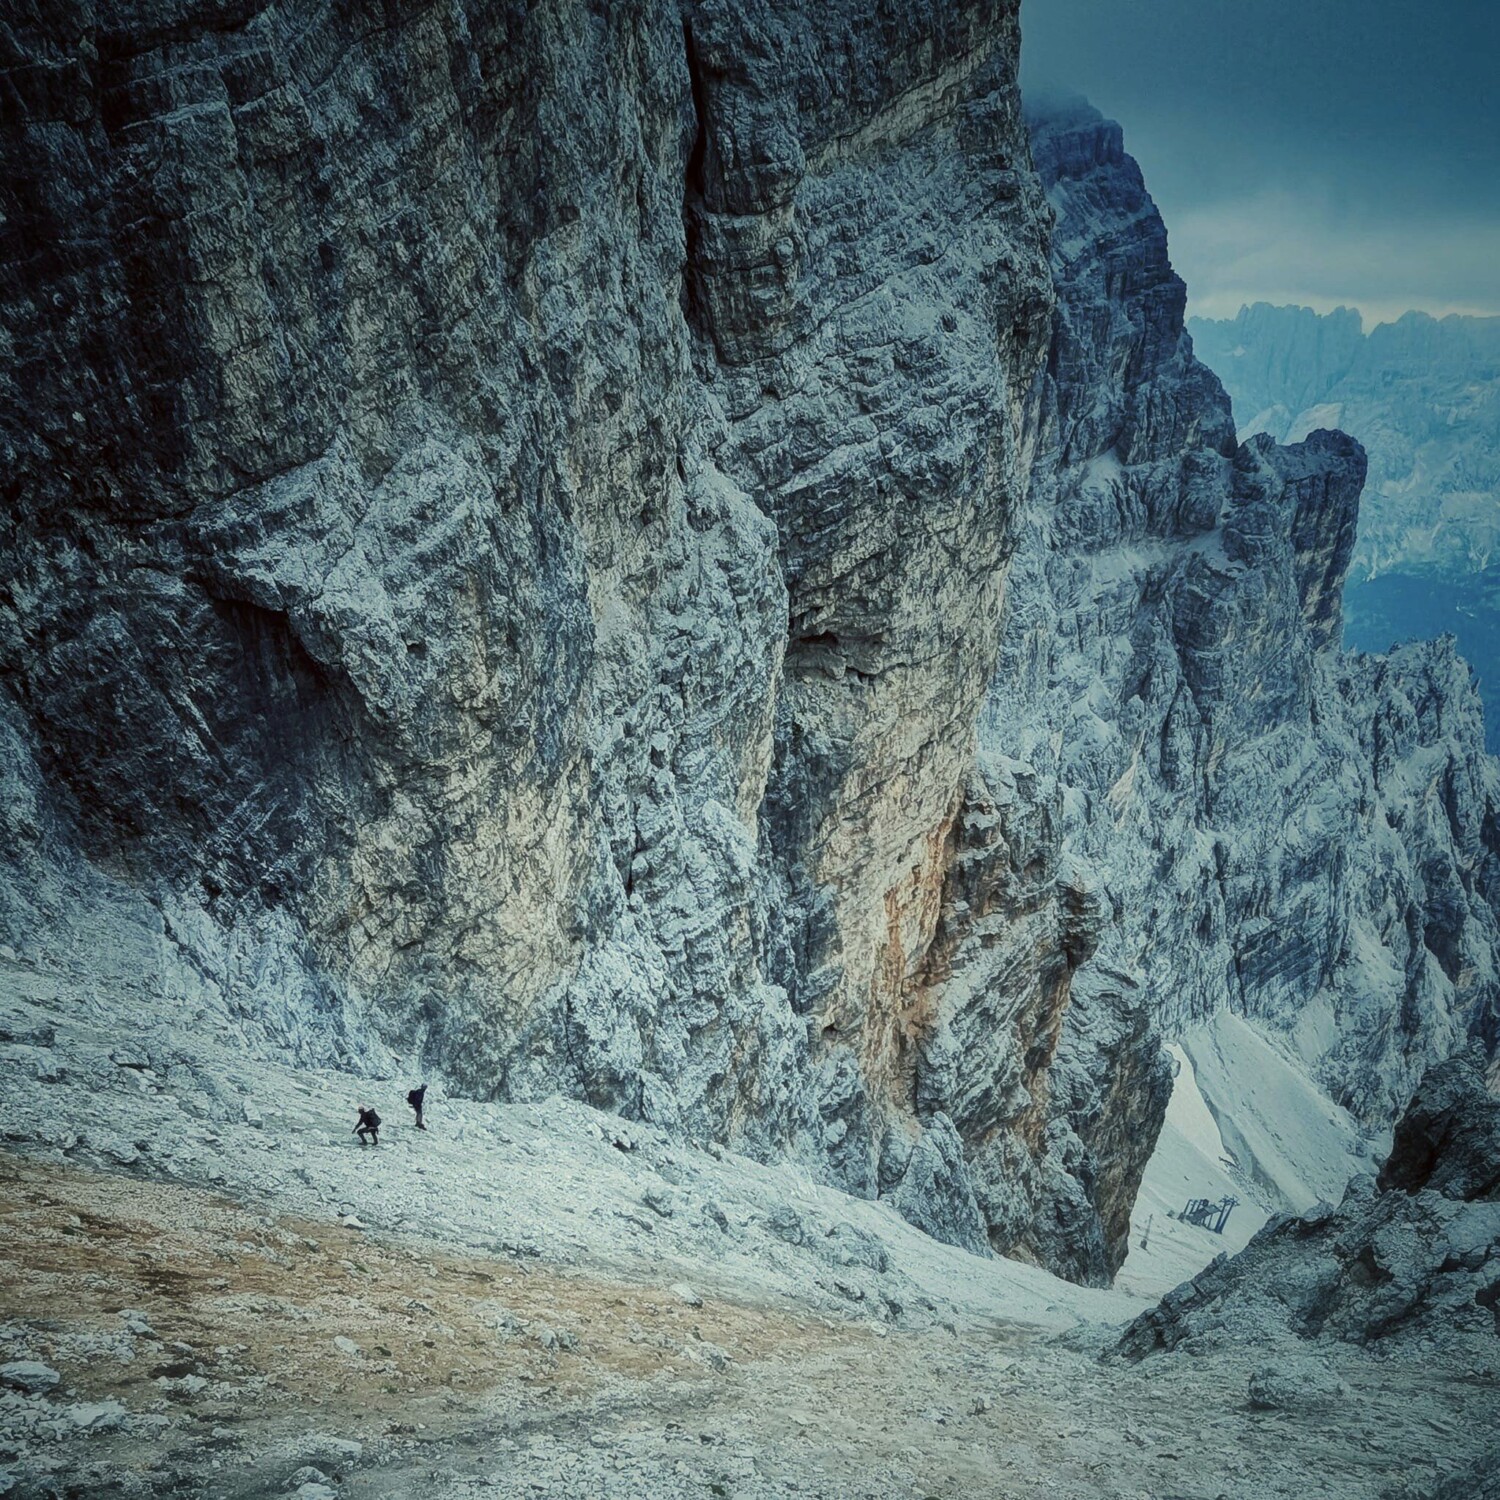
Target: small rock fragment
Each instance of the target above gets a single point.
(786, 1224)
(1305, 1385)
(183, 1388)
(95, 1416)
(318, 1448)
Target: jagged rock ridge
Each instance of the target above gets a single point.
(1269, 825)
(1423, 395)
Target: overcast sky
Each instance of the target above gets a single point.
(1310, 151)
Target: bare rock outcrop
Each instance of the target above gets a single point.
(1448, 1141)
(507, 512)
(1265, 824)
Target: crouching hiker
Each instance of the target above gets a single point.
(369, 1125)
(415, 1098)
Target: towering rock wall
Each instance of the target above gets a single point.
(506, 511)
(508, 536)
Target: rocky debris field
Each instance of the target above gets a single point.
(192, 1346)
(210, 1288)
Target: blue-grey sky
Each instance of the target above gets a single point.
(1310, 151)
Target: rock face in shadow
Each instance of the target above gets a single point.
(1415, 1252)
(1448, 1141)
(510, 518)
(506, 520)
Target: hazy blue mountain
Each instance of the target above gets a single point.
(1423, 396)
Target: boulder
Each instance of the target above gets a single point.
(30, 1376)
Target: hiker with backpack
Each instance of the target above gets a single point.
(368, 1126)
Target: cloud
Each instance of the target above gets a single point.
(1317, 151)
(1279, 246)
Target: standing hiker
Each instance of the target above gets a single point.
(415, 1098)
(369, 1125)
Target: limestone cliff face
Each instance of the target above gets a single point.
(870, 275)
(1269, 825)
(507, 560)
(506, 516)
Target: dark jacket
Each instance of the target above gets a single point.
(369, 1118)
(416, 1096)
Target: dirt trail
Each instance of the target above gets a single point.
(217, 1328)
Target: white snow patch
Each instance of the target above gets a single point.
(1246, 1121)
(1326, 415)
(1189, 1162)
(1291, 1143)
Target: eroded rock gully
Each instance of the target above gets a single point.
(507, 558)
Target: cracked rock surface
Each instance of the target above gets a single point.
(1236, 815)
(507, 516)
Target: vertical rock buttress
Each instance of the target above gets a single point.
(506, 519)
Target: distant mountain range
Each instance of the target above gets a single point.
(1423, 396)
